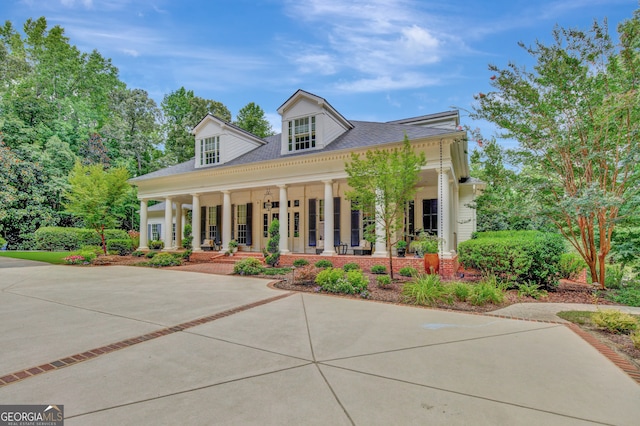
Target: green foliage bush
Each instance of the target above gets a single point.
(248, 266)
(151, 254)
(59, 238)
(2, 242)
(461, 291)
(95, 249)
(350, 266)
(425, 289)
(123, 247)
(488, 290)
(273, 259)
(156, 244)
(324, 263)
(300, 262)
(531, 290)
(629, 296)
(383, 281)
(80, 257)
(408, 271)
(187, 236)
(186, 254)
(571, 264)
(164, 259)
(635, 339)
(336, 280)
(615, 321)
(378, 269)
(519, 256)
(137, 253)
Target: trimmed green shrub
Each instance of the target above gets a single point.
(186, 254)
(156, 244)
(408, 271)
(426, 289)
(151, 254)
(248, 266)
(97, 250)
(123, 247)
(383, 281)
(615, 321)
(60, 238)
(187, 236)
(164, 259)
(137, 253)
(518, 256)
(571, 264)
(324, 263)
(378, 269)
(336, 280)
(300, 262)
(273, 259)
(351, 266)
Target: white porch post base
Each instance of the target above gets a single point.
(329, 249)
(195, 223)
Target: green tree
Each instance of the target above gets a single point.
(576, 117)
(95, 196)
(252, 119)
(182, 112)
(384, 181)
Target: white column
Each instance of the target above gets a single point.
(168, 221)
(284, 221)
(183, 219)
(226, 220)
(144, 235)
(195, 222)
(178, 225)
(381, 242)
(329, 249)
(444, 212)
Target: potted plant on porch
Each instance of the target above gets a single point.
(233, 246)
(426, 246)
(401, 248)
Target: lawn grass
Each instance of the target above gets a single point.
(576, 317)
(54, 257)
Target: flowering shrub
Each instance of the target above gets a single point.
(75, 259)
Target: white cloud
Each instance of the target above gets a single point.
(383, 83)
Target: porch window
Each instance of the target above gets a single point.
(156, 229)
(430, 215)
(210, 150)
(212, 223)
(302, 133)
(242, 223)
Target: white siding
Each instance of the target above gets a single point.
(466, 214)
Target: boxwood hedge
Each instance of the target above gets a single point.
(59, 238)
(517, 256)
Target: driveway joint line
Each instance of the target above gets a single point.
(225, 382)
(484, 398)
(95, 352)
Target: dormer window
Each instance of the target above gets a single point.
(210, 150)
(302, 133)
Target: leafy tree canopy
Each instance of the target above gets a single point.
(252, 119)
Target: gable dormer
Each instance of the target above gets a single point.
(218, 142)
(309, 123)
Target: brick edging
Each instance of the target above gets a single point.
(93, 353)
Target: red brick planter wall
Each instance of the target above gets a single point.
(449, 267)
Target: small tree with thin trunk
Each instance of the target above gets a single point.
(95, 194)
(382, 183)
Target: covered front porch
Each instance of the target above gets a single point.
(319, 218)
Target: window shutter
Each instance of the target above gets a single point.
(218, 224)
(312, 222)
(249, 223)
(203, 224)
(336, 220)
(355, 227)
(149, 234)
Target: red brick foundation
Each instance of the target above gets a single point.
(449, 268)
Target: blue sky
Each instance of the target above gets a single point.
(375, 60)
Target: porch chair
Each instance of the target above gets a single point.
(363, 249)
(319, 246)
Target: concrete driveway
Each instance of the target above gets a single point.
(127, 345)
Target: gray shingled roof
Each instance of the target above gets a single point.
(363, 134)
